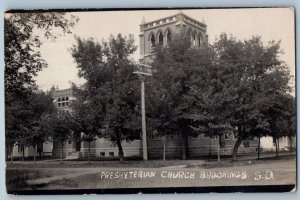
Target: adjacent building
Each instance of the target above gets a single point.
(74, 147)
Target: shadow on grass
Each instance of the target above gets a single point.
(16, 179)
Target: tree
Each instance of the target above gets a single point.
(14, 116)
(22, 62)
(111, 85)
(257, 73)
(88, 118)
(281, 117)
(22, 58)
(170, 103)
(58, 127)
(211, 94)
(40, 106)
(24, 120)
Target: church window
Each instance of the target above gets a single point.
(199, 40)
(152, 39)
(190, 35)
(169, 36)
(160, 39)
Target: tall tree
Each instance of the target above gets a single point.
(170, 104)
(23, 61)
(88, 118)
(111, 85)
(258, 74)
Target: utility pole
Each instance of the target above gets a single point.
(142, 72)
(145, 152)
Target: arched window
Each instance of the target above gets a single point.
(63, 99)
(169, 36)
(190, 35)
(200, 39)
(160, 39)
(58, 99)
(152, 40)
(194, 39)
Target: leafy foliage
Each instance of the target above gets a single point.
(257, 78)
(176, 70)
(22, 58)
(23, 103)
(214, 90)
(111, 86)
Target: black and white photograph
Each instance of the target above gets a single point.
(130, 101)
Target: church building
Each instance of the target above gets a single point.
(153, 33)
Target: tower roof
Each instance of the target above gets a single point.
(179, 17)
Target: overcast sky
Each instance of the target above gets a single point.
(271, 24)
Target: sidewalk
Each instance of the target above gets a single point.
(242, 160)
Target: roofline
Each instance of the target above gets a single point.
(174, 16)
(194, 19)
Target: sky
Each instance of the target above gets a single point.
(269, 23)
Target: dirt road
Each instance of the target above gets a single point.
(269, 173)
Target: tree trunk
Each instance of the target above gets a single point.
(61, 153)
(12, 155)
(291, 145)
(34, 155)
(121, 153)
(185, 140)
(164, 153)
(23, 153)
(20, 152)
(277, 147)
(258, 148)
(218, 146)
(6, 152)
(89, 153)
(236, 148)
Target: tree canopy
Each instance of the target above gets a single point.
(216, 89)
(23, 102)
(111, 85)
(176, 68)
